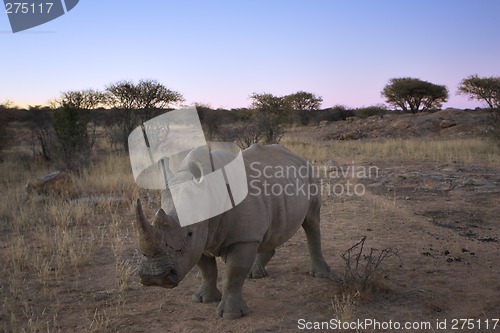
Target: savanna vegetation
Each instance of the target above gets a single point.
(68, 258)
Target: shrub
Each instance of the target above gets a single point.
(370, 111)
(335, 113)
(361, 269)
(494, 134)
(40, 125)
(3, 130)
(71, 140)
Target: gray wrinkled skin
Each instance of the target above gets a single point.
(245, 237)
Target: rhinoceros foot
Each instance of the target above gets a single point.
(258, 269)
(206, 295)
(257, 272)
(232, 307)
(321, 271)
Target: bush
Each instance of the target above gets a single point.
(40, 124)
(370, 111)
(71, 140)
(3, 130)
(335, 113)
(495, 132)
(361, 269)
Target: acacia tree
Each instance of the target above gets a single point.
(88, 99)
(84, 101)
(304, 101)
(151, 95)
(485, 89)
(267, 102)
(272, 115)
(414, 95)
(136, 102)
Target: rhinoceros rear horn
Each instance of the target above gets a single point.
(162, 219)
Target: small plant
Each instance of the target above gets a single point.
(100, 322)
(362, 269)
(124, 271)
(345, 305)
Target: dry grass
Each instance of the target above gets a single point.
(48, 240)
(469, 151)
(344, 306)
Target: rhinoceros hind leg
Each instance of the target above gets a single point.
(208, 291)
(258, 269)
(319, 267)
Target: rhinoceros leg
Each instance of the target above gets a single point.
(239, 259)
(258, 269)
(208, 291)
(319, 267)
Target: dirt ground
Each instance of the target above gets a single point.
(442, 219)
(449, 269)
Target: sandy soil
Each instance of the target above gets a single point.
(447, 241)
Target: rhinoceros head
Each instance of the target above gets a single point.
(170, 251)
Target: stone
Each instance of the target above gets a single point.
(445, 123)
(57, 182)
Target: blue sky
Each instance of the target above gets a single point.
(220, 52)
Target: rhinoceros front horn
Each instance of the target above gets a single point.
(145, 231)
(141, 224)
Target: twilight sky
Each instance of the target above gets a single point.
(219, 52)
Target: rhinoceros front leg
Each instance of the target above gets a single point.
(208, 291)
(239, 259)
(319, 267)
(259, 266)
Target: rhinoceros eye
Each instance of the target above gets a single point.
(190, 234)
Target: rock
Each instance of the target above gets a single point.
(352, 135)
(324, 123)
(402, 124)
(445, 123)
(57, 182)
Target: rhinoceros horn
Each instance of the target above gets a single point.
(162, 219)
(148, 235)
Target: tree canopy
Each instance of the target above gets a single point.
(411, 94)
(304, 101)
(267, 102)
(137, 101)
(485, 89)
(82, 99)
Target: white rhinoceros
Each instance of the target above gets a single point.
(245, 237)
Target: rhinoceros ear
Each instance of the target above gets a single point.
(162, 219)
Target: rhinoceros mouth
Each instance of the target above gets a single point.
(168, 279)
(158, 272)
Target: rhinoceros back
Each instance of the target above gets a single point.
(279, 198)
